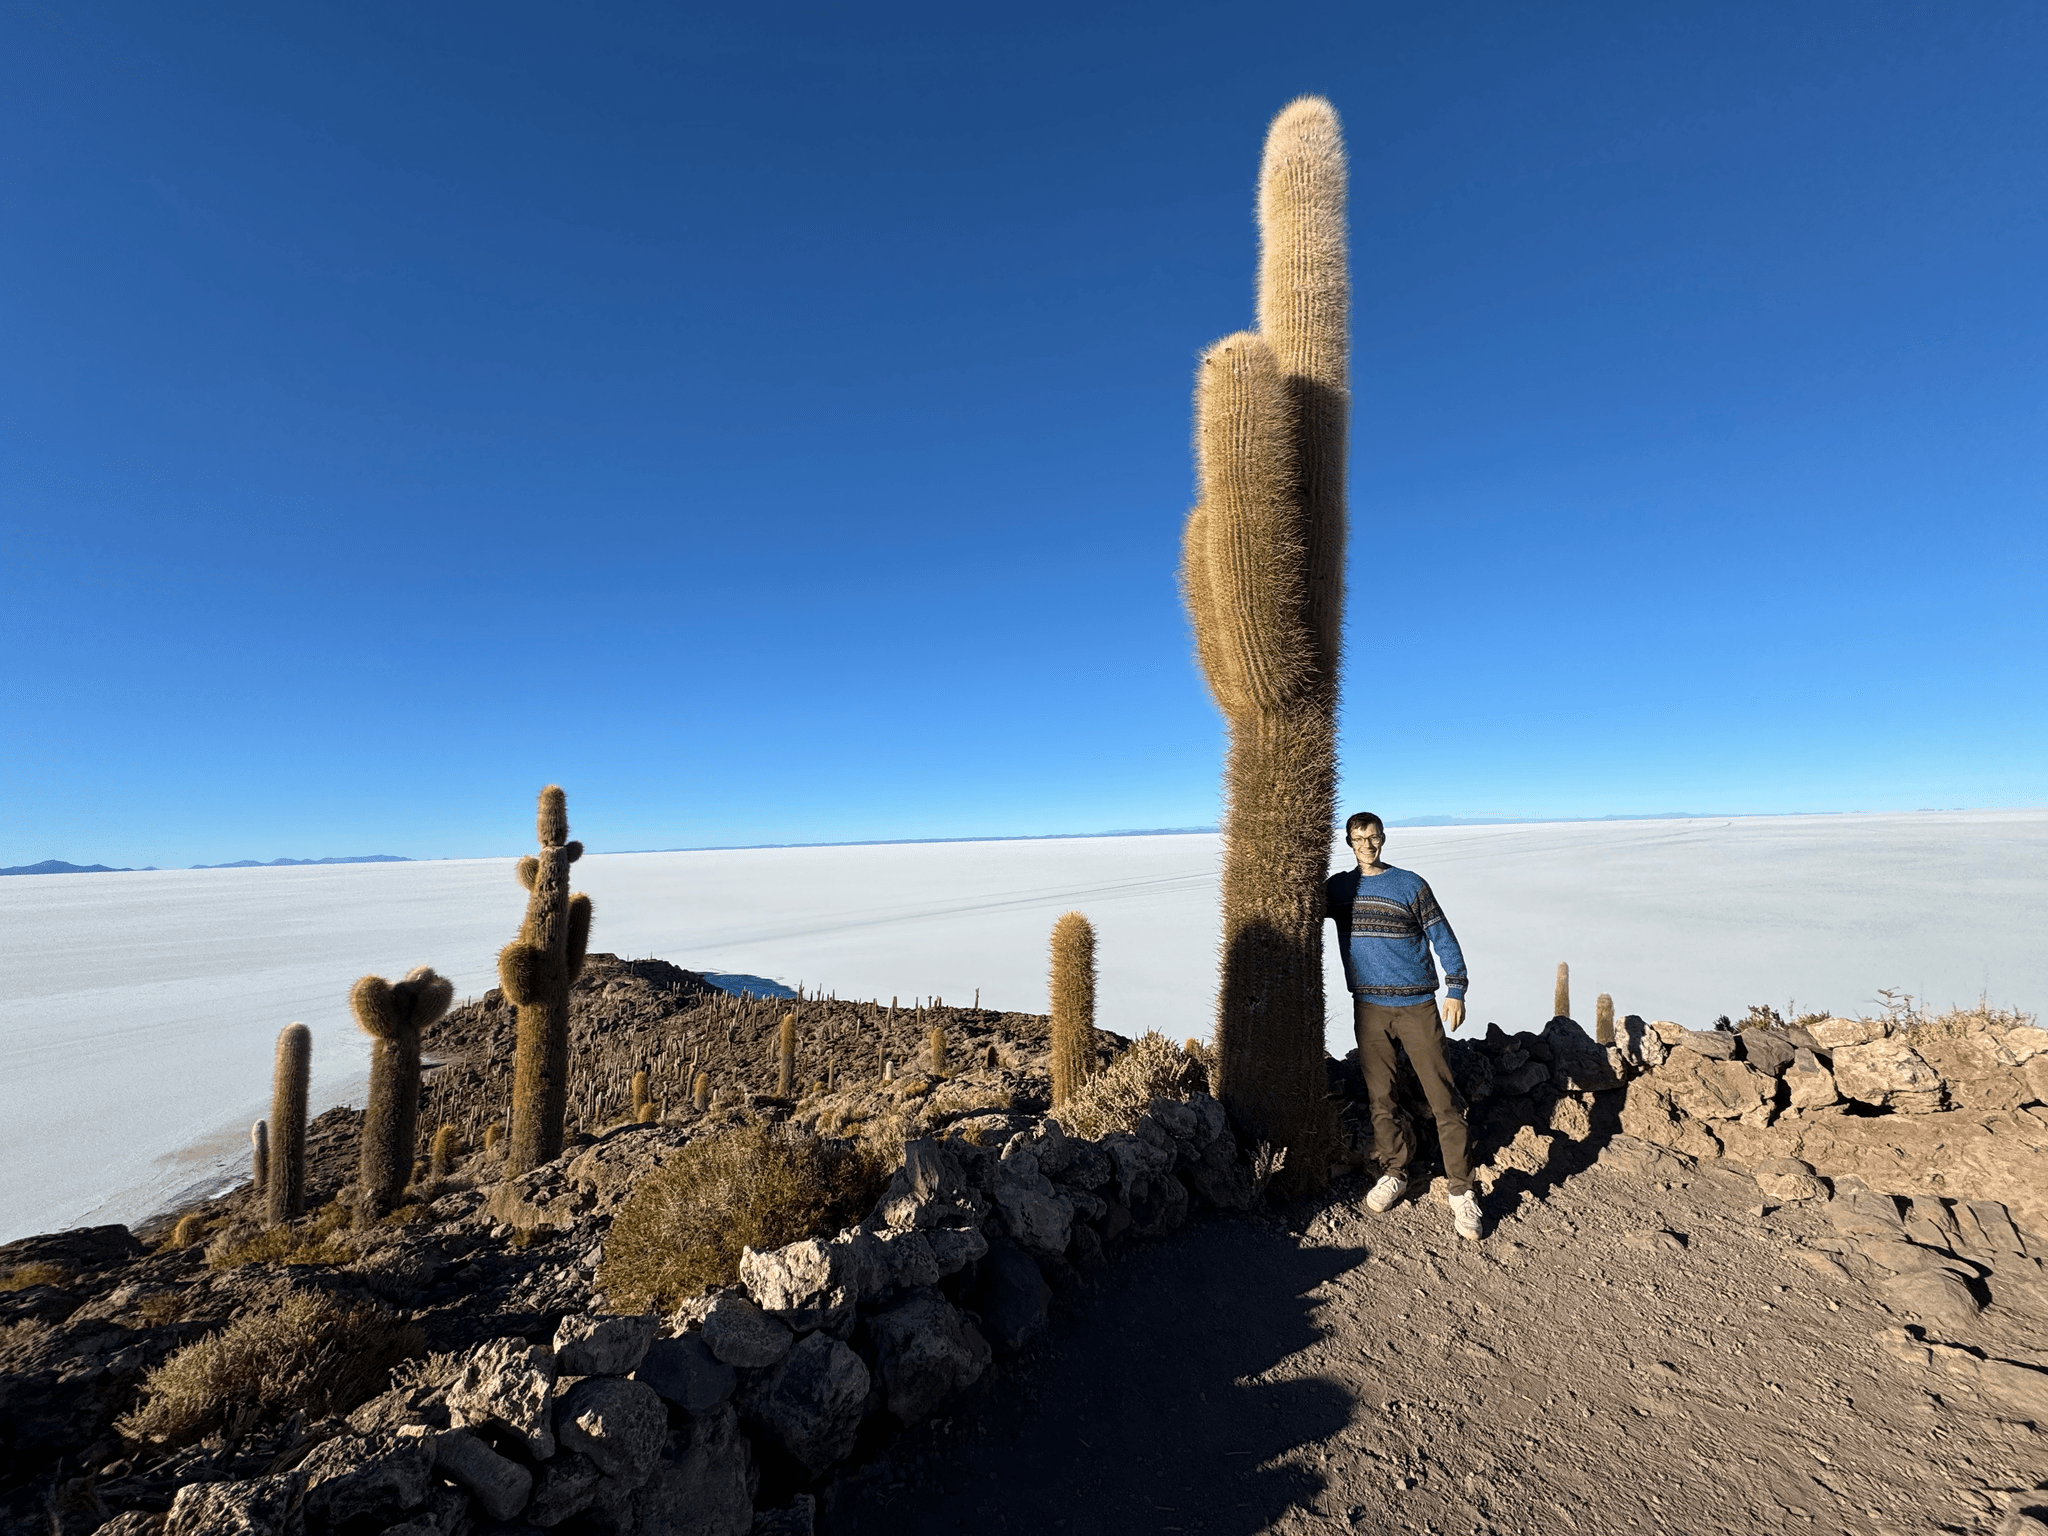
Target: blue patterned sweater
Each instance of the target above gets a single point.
(1386, 924)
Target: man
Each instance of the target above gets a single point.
(1387, 920)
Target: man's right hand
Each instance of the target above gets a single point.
(1454, 1013)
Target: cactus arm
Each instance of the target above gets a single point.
(579, 933)
(375, 1008)
(431, 995)
(522, 972)
(529, 871)
(573, 849)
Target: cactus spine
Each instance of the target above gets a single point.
(1603, 1020)
(1561, 994)
(785, 1057)
(284, 1191)
(1262, 572)
(1073, 1005)
(536, 970)
(394, 1016)
(259, 1157)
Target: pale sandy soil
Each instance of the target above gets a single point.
(1572, 1372)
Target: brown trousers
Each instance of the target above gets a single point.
(1420, 1031)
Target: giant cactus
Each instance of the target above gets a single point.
(394, 1016)
(284, 1186)
(536, 970)
(1263, 575)
(1073, 1005)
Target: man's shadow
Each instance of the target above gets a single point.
(1150, 1408)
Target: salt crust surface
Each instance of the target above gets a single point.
(139, 1008)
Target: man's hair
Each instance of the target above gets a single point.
(1362, 819)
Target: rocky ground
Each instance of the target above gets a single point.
(1773, 1277)
(1621, 1352)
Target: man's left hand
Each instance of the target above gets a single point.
(1454, 1013)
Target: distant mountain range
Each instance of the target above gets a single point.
(59, 867)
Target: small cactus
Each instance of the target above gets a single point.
(935, 1048)
(536, 970)
(700, 1093)
(394, 1017)
(785, 1057)
(259, 1156)
(888, 1071)
(442, 1152)
(1603, 1019)
(493, 1134)
(649, 1113)
(284, 1194)
(188, 1229)
(641, 1101)
(1073, 1005)
(992, 1061)
(1561, 996)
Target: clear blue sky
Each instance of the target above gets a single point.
(773, 425)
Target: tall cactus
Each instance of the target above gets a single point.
(785, 1057)
(1262, 571)
(394, 1015)
(536, 970)
(284, 1187)
(1561, 994)
(1603, 1020)
(1073, 1005)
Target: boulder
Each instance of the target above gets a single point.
(814, 1283)
(2020, 1389)
(1639, 1044)
(797, 1519)
(568, 1484)
(259, 1506)
(1526, 1078)
(382, 1475)
(1934, 1296)
(77, 1250)
(1579, 1063)
(1768, 1051)
(499, 1484)
(619, 1425)
(601, 1346)
(2025, 1043)
(1811, 1085)
(1033, 1212)
(1648, 1114)
(1132, 1158)
(1571, 1119)
(931, 1189)
(1714, 1044)
(739, 1333)
(1987, 1226)
(1012, 1297)
(605, 1174)
(811, 1403)
(1887, 1073)
(1710, 1088)
(1833, 1034)
(510, 1383)
(1528, 1153)
(706, 1489)
(685, 1372)
(1632, 1155)
(925, 1352)
(1787, 1179)
(1220, 1178)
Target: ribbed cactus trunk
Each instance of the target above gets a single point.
(785, 1057)
(393, 1015)
(536, 970)
(1263, 575)
(1603, 1020)
(935, 1051)
(1561, 994)
(642, 1098)
(284, 1190)
(259, 1157)
(1073, 1005)
(446, 1147)
(700, 1093)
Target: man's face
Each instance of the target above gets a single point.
(1367, 841)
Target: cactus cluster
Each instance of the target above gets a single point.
(1073, 1005)
(1262, 572)
(536, 970)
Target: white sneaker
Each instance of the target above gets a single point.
(1386, 1193)
(1465, 1213)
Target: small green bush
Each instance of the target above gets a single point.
(752, 1186)
(1117, 1096)
(312, 1353)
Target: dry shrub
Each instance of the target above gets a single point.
(313, 1353)
(754, 1185)
(1116, 1097)
(22, 1276)
(18, 1340)
(312, 1239)
(160, 1308)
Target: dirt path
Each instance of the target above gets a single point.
(1573, 1372)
